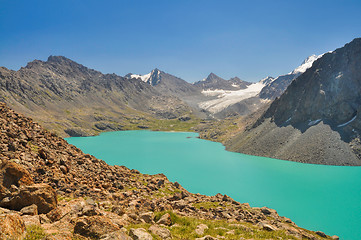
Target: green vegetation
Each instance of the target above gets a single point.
(184, 228)
(34, 232)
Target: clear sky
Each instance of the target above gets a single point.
(188, 38)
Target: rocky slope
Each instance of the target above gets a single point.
(74, 100)
(52, 190)
(317, 119)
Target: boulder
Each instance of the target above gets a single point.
(42, 195)
(11, 226)
(94, 226)
(117, 235)
(12, 173)
(165, 220)
(207, 238)
(139, 234)
(31, 220)
(147, 217)
(30, 210)
(163, 233)
(267, 227)
(200, 229)
(321, 234)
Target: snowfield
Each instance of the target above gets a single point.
(226, 98)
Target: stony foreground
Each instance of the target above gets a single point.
(51, 190)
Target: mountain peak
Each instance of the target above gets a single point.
(306, 64)
(267, 80)
(58, 59)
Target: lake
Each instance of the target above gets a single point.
(316, 197)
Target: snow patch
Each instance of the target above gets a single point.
(314, 122)
(346, 123)
(339, 75)
(306, 64)
(144, 78)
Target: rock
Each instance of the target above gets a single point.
(117, 235)
(147, 217)
(200, 229)
(30, 210)
(14, 174)
(31, 220)
(267, 226)
(11, 226)
(139, 234)
(321, 234)
(61, 236)
(64, 169)
(266, 210)
(208, 237)
(42, 195)
(94, 226)
(163, 233)
(165, 220)
(184, 118)
(335, 237)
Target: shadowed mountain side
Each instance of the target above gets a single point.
(316, 120)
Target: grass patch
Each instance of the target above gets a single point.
(184, 228)
(34, 232)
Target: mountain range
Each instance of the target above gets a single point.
(307, 115)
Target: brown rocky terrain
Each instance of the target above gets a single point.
(71, 99)
(317, 119)
(49, 189)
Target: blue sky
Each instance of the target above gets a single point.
(188, 38)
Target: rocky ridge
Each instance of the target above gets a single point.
(317, 119)
(212, 81)
(52, 190)
(74, 100)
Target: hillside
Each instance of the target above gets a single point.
(74, 100)
(52, 190)
(316, 120)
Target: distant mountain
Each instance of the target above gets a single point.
(67, 96)
(277, 86)
(213, 82)
(317, 119)
(167, 83)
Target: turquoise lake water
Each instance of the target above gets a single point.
(316, 197)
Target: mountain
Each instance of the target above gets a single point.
(167, 83)
(316, 120)
(74, 100)
(213, 82)
(277, 86)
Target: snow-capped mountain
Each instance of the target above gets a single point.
(276, 87)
